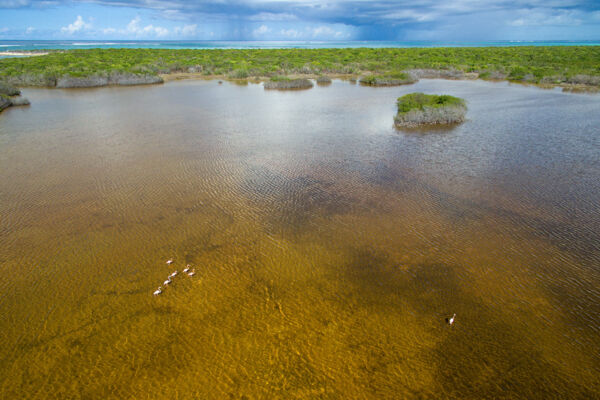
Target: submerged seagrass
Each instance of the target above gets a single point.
(416, 109)
(328, 247)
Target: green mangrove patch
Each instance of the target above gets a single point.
(286, 83)
(554, 65)
(390, 79)
(11, 96)
(416, 109)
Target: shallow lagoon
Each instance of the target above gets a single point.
(328, 246)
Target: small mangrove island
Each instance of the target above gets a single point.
(417, 109)
(391, 79)
(286, 83)
(11, 96)
(323, 80)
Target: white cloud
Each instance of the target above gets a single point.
(160, 31)
(134, 27)
(109, 31)
(77, 26)
(269, 16)
(261, 30)
(30, 30)
(319, 32)
(322, 30)
(545, 17)
(13, 3)
(291, 33)
(327, 32)
(410, 15)
(176, 15)
(186, 30)
(4, 30)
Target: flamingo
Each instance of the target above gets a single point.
(170, 261)
(186, 269)
(158, 291)
(167, 281)
(173, 274)
(450, 321)
(192, 272)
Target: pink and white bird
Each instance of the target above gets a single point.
(174, 274)
(170, 261)
(186, 269)
(158, 291)
(450, 320)
(192, 272)
(167, 282)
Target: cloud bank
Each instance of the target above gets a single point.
(322, 20)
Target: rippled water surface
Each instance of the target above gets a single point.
(328, 246)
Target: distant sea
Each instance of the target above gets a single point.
(16, 45)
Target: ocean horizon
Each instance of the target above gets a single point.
(28, 45)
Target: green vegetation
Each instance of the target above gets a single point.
(280, 78)
(323, 80)
(10, 96)
(417, 109)
(554, 65)
(389, 79)
(4, 102)
(418, 101)
(7, 90)
(284, 82)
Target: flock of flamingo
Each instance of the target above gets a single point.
(186, 270)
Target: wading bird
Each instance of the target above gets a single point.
(450, 321)
(158, 291)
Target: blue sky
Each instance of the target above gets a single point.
(442, 20)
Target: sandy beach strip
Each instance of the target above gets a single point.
(21, 53)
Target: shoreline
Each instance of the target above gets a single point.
(574, 68)
(567, 87)
(179, 76)
(23, 53)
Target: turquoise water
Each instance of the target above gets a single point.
(15, 45)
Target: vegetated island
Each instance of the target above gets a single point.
(286, 83)
(10, 96)
(390, 79)
(568, 66)
(418, 109)
(323, 80)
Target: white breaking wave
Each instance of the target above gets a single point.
(99, 44)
